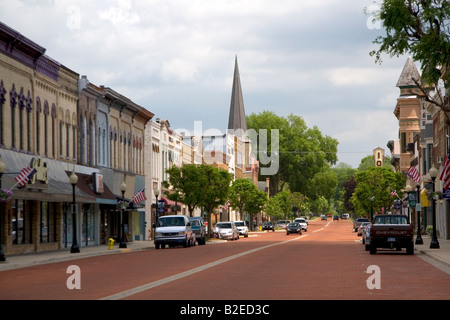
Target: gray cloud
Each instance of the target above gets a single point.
(176, 58)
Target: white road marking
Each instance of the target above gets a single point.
(157, 283)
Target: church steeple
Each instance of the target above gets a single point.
(236, 119)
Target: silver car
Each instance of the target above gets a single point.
(226, 230)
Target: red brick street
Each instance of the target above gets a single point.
(326, 262)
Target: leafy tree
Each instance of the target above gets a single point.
(374, 187)
(246, 197)
(303, 152)
(421, 29)
(214, 188)
(186, 185)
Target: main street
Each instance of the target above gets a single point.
(326, 262)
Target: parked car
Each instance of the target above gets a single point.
(358, 222)
(199, 229)
(302, 223)
(226, 230)
(323, 217)
(242, 228)
(345, 216)
(173, 230)
(282, 224)
(293, 227)
(366, 237)
(268, 225)
(361, 228)
(336, 217)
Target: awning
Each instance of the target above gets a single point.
(85, 184)
(169, 202)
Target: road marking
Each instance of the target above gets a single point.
(318, 230)
(157, 283)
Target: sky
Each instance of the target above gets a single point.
(176, 59)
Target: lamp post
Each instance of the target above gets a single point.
(123, 244)
(2, 171)
(434, 244)
(156, 192)
(75, 248)
(408, 189)
(419, 236)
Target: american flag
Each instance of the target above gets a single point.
(139, 197)
(414, 174)
(25, 175)
(445, 175)
(393, 193)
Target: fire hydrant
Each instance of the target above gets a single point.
(111, 243)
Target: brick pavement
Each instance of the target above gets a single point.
(441, 255)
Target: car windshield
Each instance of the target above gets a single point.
(300, 220)
(170, 222)
(293, 224)
(391, 220)
(239, 223)
(223, 225)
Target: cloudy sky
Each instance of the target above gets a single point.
(176, 58)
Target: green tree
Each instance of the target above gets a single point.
(419, 28)
(214, 188)
(373, 190)
(186, 185)
(246, 197)
(303, 152)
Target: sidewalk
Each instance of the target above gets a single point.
(441, 255)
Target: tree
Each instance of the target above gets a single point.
(373, 190)
(185, 185)
(303, 152)
(246, 197)
(420, 28)
(214, 185)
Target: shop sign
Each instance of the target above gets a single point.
(98, 182)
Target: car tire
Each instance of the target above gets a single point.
(373, 250)
(410, 249)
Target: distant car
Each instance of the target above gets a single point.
(226, 230)
(199, 229)
(366, 237)
(293, 227)
(362, 227)
(345, 216)
(323, 217)
(242, 227)
(336, 217)
(268, 225)
(302, 223)
(282, 223)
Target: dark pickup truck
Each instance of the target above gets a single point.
(391, 231)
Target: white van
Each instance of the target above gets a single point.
(174, 230)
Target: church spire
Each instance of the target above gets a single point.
(236, 119)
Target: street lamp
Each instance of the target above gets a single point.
(2, 171)
(123, 244)
(419, 236)
(434, 244)
(408, 189)
(75, 248)
(156, 192)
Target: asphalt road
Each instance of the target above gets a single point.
(326, 262)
